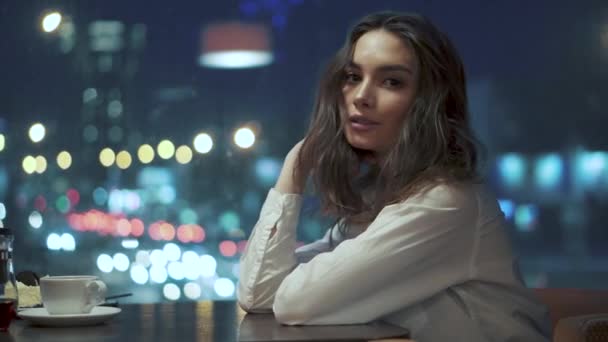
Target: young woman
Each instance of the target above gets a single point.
(418, 241)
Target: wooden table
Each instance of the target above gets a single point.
(221, 321)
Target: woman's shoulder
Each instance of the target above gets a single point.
(446, 195)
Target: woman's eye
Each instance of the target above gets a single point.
(352, 77)
(393, 83)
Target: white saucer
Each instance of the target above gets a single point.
(40, 316)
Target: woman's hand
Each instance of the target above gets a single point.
(291, 182)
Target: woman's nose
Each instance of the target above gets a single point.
(364, 95)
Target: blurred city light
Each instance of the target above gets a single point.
(224, 287)
(121, 262)
(228, 248)
(526, 217)
(40, 164)
(2, 142)
(37, 132)
(130, 243)
(53, 242)
(139, 274)
(2, 211)
(591, 169)
(29, 164)
(267, 170)
(68, 243)
(172, 252)
(145, 153)
(183, 154)
(507, 207)
(51, 22)
(35, 219)
(158, 274)
(123, 160)
(176, 270)
(208, 266)
(244, 138)
(64, 160)
(105, 263)
(107, 157)
(171, 292)
(549, 171)
(203, 143)
(512, 169)
(235, 45)
(192, 290)
(143, 258)
(165, 149)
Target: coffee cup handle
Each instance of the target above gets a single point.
(96, 294)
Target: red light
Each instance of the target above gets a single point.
(228, 248)
(73, 196)
(137, 227)
(40, 203)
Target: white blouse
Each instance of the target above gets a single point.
(438, 264)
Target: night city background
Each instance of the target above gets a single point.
(131, 148)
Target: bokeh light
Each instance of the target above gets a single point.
(53, 242)
(2, 142)
(172, 252)
(107, 157)
(158, 274)
(35, 219)
(145, 153)
(165, 149)
(68, 243)
(40, 164)
(37, 132)
(123, 160)
(64, 160)
(105, 263)
(203, 143)
(121, 262)
(139, 274)
(171, 292)
(244, 137)
(208, 266)
(29, 164)
(51, 22)
(183, 154)
(228, 248)
(192, 290)
(224, 287)
(176, 270)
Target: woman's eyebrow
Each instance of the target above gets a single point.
(384, 68)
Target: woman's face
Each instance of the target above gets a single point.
(378, 91)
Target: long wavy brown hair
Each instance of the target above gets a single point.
(436, 143)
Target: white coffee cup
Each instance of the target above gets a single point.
(64, 295)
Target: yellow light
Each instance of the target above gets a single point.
(145, 153)
(123, 159)
(29, 164)
(107, 157)
(37, 132)
(244, 137)
(51, 22)
(64, 160)
(183, 154)
(203, 143)
(165, 149)
(2, 142)
(40, 164)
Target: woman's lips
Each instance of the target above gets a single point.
(359, 123)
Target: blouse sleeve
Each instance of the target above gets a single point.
(268, 259)
(412, 250)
